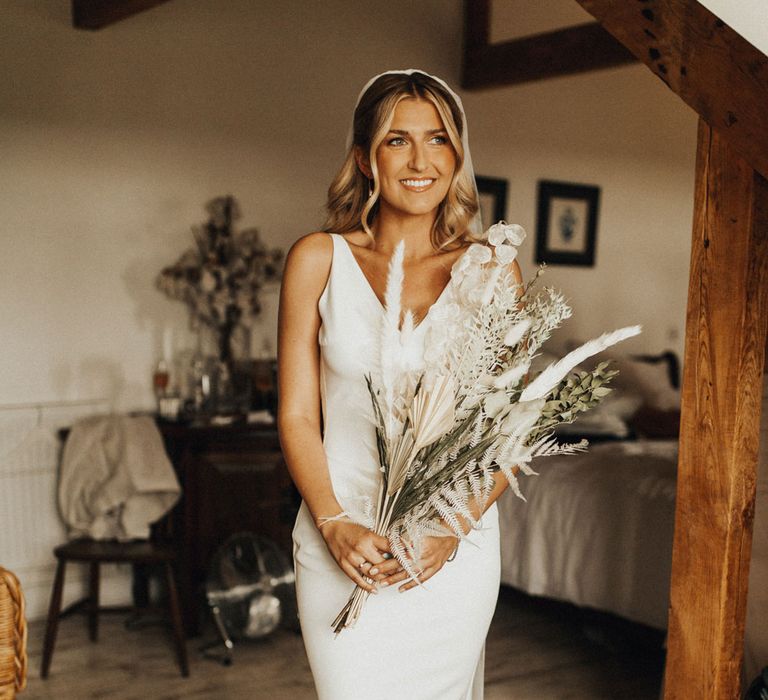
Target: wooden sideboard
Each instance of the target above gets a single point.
(233, 478)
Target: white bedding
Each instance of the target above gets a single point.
(596, 529)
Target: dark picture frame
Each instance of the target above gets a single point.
(493, 199)
(566, 223)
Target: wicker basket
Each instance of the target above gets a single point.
(13, 636)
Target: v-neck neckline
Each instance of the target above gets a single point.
(381, 306)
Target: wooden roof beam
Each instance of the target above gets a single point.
(710, 66)
(96, 14)
(576, 49)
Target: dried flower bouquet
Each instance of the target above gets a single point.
(443, 429)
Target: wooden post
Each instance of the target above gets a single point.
(726, 325)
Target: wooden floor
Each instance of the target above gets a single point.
(537, 649)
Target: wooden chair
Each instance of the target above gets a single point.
(96, 552)
(13, 636)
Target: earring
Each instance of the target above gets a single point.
(370, 188)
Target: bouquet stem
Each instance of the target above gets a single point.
(350, 613)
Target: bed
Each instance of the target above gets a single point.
(597, 527)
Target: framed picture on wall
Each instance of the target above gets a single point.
(566, 223)
(493, 199)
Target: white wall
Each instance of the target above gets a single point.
(112, 141)
(623, 130)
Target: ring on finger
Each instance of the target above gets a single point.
(363, 563)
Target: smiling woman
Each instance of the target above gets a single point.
(407, 177)
(410, 131)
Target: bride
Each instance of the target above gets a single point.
(407, 176)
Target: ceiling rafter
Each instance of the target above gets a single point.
(710, 66)
(576, 49)
(96, 14)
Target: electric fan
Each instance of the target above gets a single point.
(250, 590)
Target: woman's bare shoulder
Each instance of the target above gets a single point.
(311, 250)
(308, 261)
(316, 243)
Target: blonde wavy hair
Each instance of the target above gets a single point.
(350, 206)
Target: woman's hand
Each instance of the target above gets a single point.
(353, 545)
(435, 551)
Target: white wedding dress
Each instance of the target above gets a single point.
(426, 643)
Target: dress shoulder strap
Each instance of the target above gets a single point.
(334, 264)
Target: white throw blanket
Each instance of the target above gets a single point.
(116, 478)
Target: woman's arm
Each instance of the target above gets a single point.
(307, 267)
(298, 417)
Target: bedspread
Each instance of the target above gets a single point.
(596, 529)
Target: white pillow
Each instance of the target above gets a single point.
(650, 380)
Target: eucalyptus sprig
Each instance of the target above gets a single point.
(578, 392)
